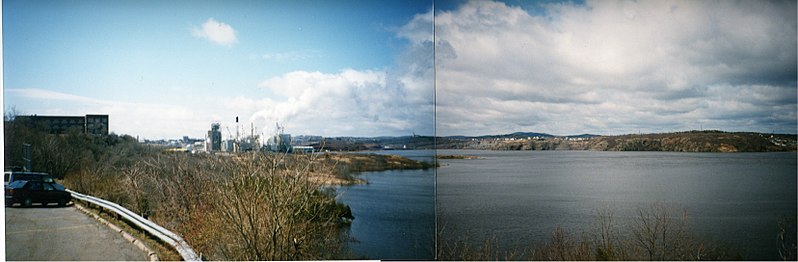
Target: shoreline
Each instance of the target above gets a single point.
(668, 142)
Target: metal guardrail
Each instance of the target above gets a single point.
(164, 235)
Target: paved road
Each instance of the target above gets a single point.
(53, 233)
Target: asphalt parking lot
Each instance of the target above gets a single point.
(63, 233)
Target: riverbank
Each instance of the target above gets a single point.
(692, 141)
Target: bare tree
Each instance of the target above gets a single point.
(786, 238)
(607, 239)
(562, 246)
(661, 232)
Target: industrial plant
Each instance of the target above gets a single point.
(239, 140)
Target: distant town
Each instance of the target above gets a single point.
(242, 139)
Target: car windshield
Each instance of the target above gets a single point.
(48, 179)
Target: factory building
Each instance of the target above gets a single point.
(280, 143)
(228, 145)
(213, 141)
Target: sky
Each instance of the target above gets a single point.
(377, 68)
(615, 67)
(167, 69)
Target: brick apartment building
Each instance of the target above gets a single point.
(88, 124)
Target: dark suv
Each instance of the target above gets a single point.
(28, 192)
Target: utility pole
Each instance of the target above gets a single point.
(26, 157)
(237, 143)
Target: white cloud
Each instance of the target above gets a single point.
(51, 95)
(216, 32)
(616, 67)
(348, 103)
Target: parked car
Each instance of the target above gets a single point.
(11, 176)
(27, 192)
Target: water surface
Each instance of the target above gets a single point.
(521, 196)
(395, 212)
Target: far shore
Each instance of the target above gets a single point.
(456, 157)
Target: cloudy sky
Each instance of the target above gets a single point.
(615, 67)
(365, 68)
(165, 69)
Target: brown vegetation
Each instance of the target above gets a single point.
(658, 232)
(255, 206)
(347, 164)
(251, 206)
(786, 238)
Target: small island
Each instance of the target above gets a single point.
(342, 168)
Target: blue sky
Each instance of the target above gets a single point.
(76, 57)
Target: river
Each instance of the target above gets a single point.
(519, 197)
(395, 212)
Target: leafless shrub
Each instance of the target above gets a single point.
(272, 211)
(563, 246)
(786, 238)
(463, 250)
(658, 232)
(255, 206)
(661, 232)
(607, 239)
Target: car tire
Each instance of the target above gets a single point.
(62, 203)
(27, 202)
(9, 203)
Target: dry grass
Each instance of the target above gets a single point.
(658, 232)
(256, 206)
